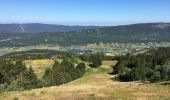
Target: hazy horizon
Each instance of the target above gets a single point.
(88, 12)
(67, 24)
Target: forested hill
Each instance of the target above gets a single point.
(148, 32)
(39, 28)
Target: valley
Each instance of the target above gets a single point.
(89, 64)
(84, 50)
(113, 49)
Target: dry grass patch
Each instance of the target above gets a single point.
(39, 66)
(108, 64)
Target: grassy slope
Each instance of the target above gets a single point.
(96, 84)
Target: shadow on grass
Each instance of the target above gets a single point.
(166, 83)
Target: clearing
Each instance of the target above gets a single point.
(96, 84)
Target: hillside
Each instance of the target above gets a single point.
(96, 84)
(39, 28)
(148, 32)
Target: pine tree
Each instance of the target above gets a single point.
(169, 74)
(3, 78)
(32, 77)
(80, 69)
(18, 68)
(27, 79)
(47, 73)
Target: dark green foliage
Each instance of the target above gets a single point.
(38, 54)
(156, 76)
(27, 79)
(160, 73)
(15, 98)
(17, 76)
(47, 73)
(14, 75)
(3, 78)
(95, 59)
(63, 72)
(169, 74)
(18, 68)
(148, 66)
(80, 69)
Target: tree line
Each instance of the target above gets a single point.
(153, 66)
(37, 54)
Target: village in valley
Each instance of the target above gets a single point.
(110, 49)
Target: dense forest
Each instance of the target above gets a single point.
(149, 32)
(153, 66)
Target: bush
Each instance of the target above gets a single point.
(15, 98)
(156, 76)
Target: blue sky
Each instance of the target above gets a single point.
(84, 12)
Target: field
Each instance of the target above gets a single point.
(96, 84)
(5, 51)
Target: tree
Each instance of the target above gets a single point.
(169, 74)
(96, 60)
(81, 69)
(156, 76)
(3, 78)
(47, 73)
(18, 68)
(151, 65)
(141, 71)
(27, 79)
(164, 72)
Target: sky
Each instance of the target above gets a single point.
(84, 12)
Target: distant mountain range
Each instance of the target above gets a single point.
(146, 32)
(39, 28)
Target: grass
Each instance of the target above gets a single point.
(39, 66)
(96, 84)
(5, 51)
(108, 63)
(142, 92)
